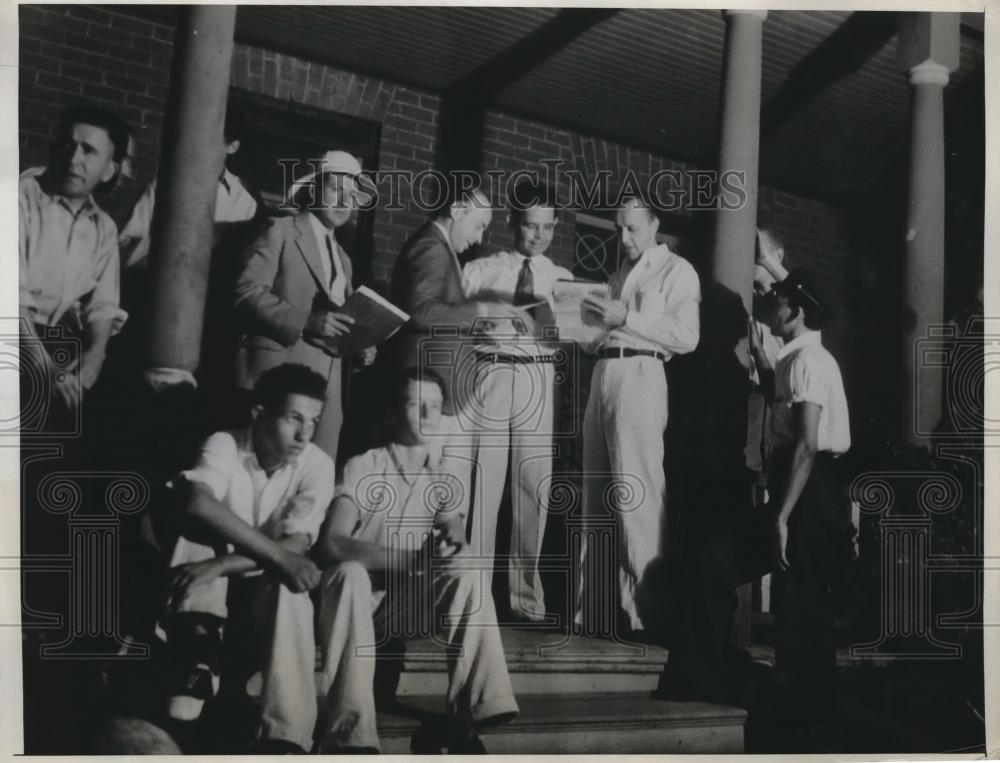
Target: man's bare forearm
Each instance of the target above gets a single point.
(374, 557)
(237, 564)
(229, 528)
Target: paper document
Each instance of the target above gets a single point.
(575, 324)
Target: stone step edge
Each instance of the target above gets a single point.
(658, 714)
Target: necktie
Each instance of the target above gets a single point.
(332, 252)
(524, 291)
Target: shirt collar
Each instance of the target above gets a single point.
(397, 462)
(804, 340)
(244, 440)
(89, 206)
(660, 252)
(321, 231)
(226, 180)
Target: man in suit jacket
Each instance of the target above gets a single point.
(427, 283)
(294, 278)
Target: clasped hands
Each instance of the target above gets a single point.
(327, 323)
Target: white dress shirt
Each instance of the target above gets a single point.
(662, 293)
(498, 273)
(327, 242)
(808, 373)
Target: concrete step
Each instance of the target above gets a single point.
(586, 723)
(539, 662)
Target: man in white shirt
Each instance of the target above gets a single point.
(399, 566)
(650, 315)
(233, 202)
(68, 272)
(812, 520)
(515, 406)
(254, 501)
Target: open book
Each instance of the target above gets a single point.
(375, 320)
(574, 323)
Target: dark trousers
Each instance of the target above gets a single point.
(739, 547)
(818, 530)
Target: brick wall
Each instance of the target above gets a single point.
(101, 54)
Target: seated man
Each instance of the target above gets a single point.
(394, 560)
(255, 501)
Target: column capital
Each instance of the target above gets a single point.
(756, 13)
(929, 73)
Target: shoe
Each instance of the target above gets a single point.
(188, 700)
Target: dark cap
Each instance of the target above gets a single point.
(800, 287)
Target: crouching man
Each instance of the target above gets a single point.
(398, 565)
(255, 502)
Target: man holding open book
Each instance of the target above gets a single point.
(294, 281)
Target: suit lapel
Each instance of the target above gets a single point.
(306, 243)
(456, 269)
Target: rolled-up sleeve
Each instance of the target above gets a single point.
(216, 465)
(305, 511)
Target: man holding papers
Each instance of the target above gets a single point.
(650, 315)
(294, 279)
(516, 400)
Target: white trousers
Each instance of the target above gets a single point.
(513, 416)
(451, 604)
(285, 635)
(624, 487)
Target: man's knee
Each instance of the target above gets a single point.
(347, 576)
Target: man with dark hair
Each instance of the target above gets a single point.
(234, 202)
(395, 508)
(811, 521)
(427, 284)
(650, 315)
(254, 504)
(68, 250)
(517, 397)
(294, 278)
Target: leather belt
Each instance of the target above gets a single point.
(608, 353)
(502, 357)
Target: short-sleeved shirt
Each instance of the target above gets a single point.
(807, 373)
(292, 501)
(68, 259)
(396, 507)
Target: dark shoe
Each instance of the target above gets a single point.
(188, 699)
(427, 740)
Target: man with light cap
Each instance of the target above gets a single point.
(294, 278)
(650, 315)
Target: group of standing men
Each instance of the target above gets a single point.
(417, 514)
